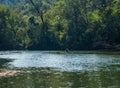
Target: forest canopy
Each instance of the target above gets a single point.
(60, 24)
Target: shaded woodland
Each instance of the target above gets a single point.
(60, 24)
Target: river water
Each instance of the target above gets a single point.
(59, 69)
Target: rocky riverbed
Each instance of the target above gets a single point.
(6, 73)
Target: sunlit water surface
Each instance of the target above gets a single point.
(59, 69)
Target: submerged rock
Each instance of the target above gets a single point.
(7, 73)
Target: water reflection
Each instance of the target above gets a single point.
(49, 78)
(59, 70)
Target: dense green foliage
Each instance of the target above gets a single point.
(60, 24)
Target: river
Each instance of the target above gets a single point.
(59, 69)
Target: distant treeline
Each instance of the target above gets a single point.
(60, 24)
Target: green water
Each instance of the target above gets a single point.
(51, 69)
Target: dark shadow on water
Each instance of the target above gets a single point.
(4, 63)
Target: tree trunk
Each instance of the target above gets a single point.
(40, 13)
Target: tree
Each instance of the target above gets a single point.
(6, 35)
